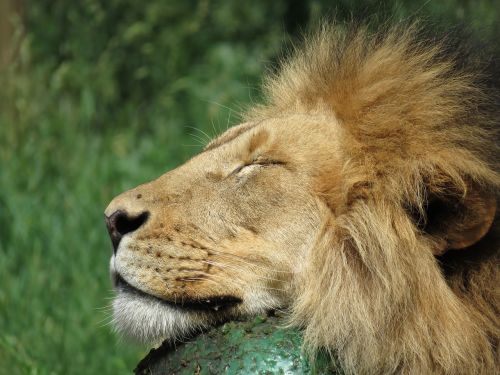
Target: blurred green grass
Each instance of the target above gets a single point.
(101, 97)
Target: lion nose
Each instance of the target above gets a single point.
(120, 223)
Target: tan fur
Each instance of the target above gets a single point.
(322, 202)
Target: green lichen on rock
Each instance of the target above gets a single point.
(261, 346)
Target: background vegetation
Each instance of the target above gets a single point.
(99, 96)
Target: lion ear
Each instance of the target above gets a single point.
(459, 221)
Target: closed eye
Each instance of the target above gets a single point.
(259, 163)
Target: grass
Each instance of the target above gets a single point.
(57, 174)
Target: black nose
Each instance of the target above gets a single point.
(120, 223)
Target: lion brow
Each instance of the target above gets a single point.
(231, 134)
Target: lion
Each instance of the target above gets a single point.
(360, 198)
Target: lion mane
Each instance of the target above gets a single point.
(404, 276)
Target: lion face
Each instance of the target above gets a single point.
(222, 235)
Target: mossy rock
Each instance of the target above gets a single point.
(260, 346)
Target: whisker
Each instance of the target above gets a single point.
(108, 319)
(216, 131)
(228, 118)
(243, 285)
(208, 238)
(198, 138)
(244, 260)
(187, 145)
(222, 266)
(219, 104)
(208, 138)
(103, 308)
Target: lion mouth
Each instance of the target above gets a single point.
(213, 303)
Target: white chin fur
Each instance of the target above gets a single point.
(150, 321)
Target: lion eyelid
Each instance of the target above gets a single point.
(255, 162)
(269, 162)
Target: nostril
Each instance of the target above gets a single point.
(120, 223)
(125, 224)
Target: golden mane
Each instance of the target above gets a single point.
(418, 125)
(398, 94)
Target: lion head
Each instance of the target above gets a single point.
(361, 198)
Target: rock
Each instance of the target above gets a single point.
(260, 346)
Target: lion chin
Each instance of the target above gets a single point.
(361, 197)
(150, 321)
(147, 319)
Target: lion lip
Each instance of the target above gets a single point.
(213, 303)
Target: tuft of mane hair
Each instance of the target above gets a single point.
(392, 286)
